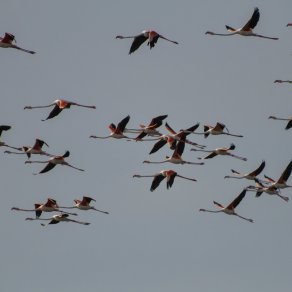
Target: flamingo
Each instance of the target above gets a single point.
(174, 137)
(6, 128)
(59, 105)
(84, 205)
(230, 208)
(58, 218)
(289, 124)
(176, 156)
(150, 129)
(35, 149)
(7, 42)
(150, 35)
(49, 206)
(52, 162)
(116, 132)
(259, 188)
(282, 81)
(218, 129)
(246, 30)
(159, 177)
(251, 175)
(220, 151)
(281, 183)
(289, 24)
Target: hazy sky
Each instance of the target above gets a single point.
(151, 241)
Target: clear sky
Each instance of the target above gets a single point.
(151, 241)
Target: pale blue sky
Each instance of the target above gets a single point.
(150, 241)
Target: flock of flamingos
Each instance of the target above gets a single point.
(175, 140)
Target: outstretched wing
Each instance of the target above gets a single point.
(157, 121)
(48, 167)
(289, 125)
(4, 128)
(170, 180)
(253, 20)
(138, 41)
(156, 181)
(158, 145)
(123, 123)
(286, 173)
(237, 200)
(56, 110)
(258, 170)
(211, 155)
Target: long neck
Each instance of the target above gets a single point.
(40, 106)
(97, 137)
(221, 34)
(26, 210)
(233, 176)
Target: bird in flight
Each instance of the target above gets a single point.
(230, 209)
(289, 124)
(246, 30)
(8, 41)
(52, 162)
(84, 204)
(251, 175)
(59, 105)
(220, 151)
(35, 149)
(58, 218)
(150, 35)
(170, 175)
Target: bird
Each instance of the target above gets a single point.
(150, 35)
(49, 206)
(176, 156)
(289, 24)
(220, 151)
(59, 105)
(289, 124)
(84, 205)
(7, 42)
(250, 175)
(174, 137)
(3, 144)
(282, 81)
(52, 162)
(116, 132)
(35, 149)
(58, 218)
(150, 129)
(281, 182)
(246, 30)
(259, 188)
(230, 208)
(159, 177)
(218, 129)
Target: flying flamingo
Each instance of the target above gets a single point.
(59, 105)
(150, 35)
(35, 149)
(58, 218)
(116, 132)
(282, 81)
(52, 162)
(6, 128)
(281, 183)
(289, 24)
(251, 175)
(259, 188)
(218, 129)
(246, 30)
(49, 206)
(84, 205)
(220, 151)
(289, 124)
(176, 156)
(7, 42)
(174, 137)
(159, 177)
(150, 129)
(230, 208)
